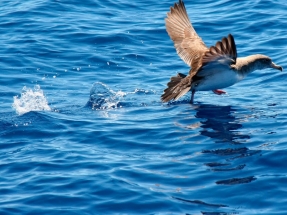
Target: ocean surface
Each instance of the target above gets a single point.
(83, 130)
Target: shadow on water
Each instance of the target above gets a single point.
(225, 153)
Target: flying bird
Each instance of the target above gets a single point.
(210, 68)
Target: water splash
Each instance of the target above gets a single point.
(102, 97)
(30, 100)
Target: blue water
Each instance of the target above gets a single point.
(83, 130)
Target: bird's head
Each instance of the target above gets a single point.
(264, 62)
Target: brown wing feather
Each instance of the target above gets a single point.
(188, 44)
(225, 48)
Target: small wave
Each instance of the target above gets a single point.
(30, 100)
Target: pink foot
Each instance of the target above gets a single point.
(219, 92)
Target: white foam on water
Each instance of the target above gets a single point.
(30, 100)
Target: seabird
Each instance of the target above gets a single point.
(211, 68)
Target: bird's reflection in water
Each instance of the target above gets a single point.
(225, 154)
(222, 125)
(219, 123)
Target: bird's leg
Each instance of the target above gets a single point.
(192, 96)
(219, 92)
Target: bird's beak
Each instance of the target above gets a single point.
(274, 66)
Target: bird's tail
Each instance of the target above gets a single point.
(177, 87)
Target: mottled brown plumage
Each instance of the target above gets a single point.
(211, 68)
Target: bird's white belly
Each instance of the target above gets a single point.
(219, 80)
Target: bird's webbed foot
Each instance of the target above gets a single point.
(219, 92)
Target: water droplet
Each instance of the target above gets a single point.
(37, 87)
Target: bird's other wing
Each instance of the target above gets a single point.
(224, 49)
(223, 54)
(189, 46)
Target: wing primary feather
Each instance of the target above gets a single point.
(186, 41)
(224, 49)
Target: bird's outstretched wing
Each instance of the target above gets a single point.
(188, 44)
(223, 54)
(225, 48)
